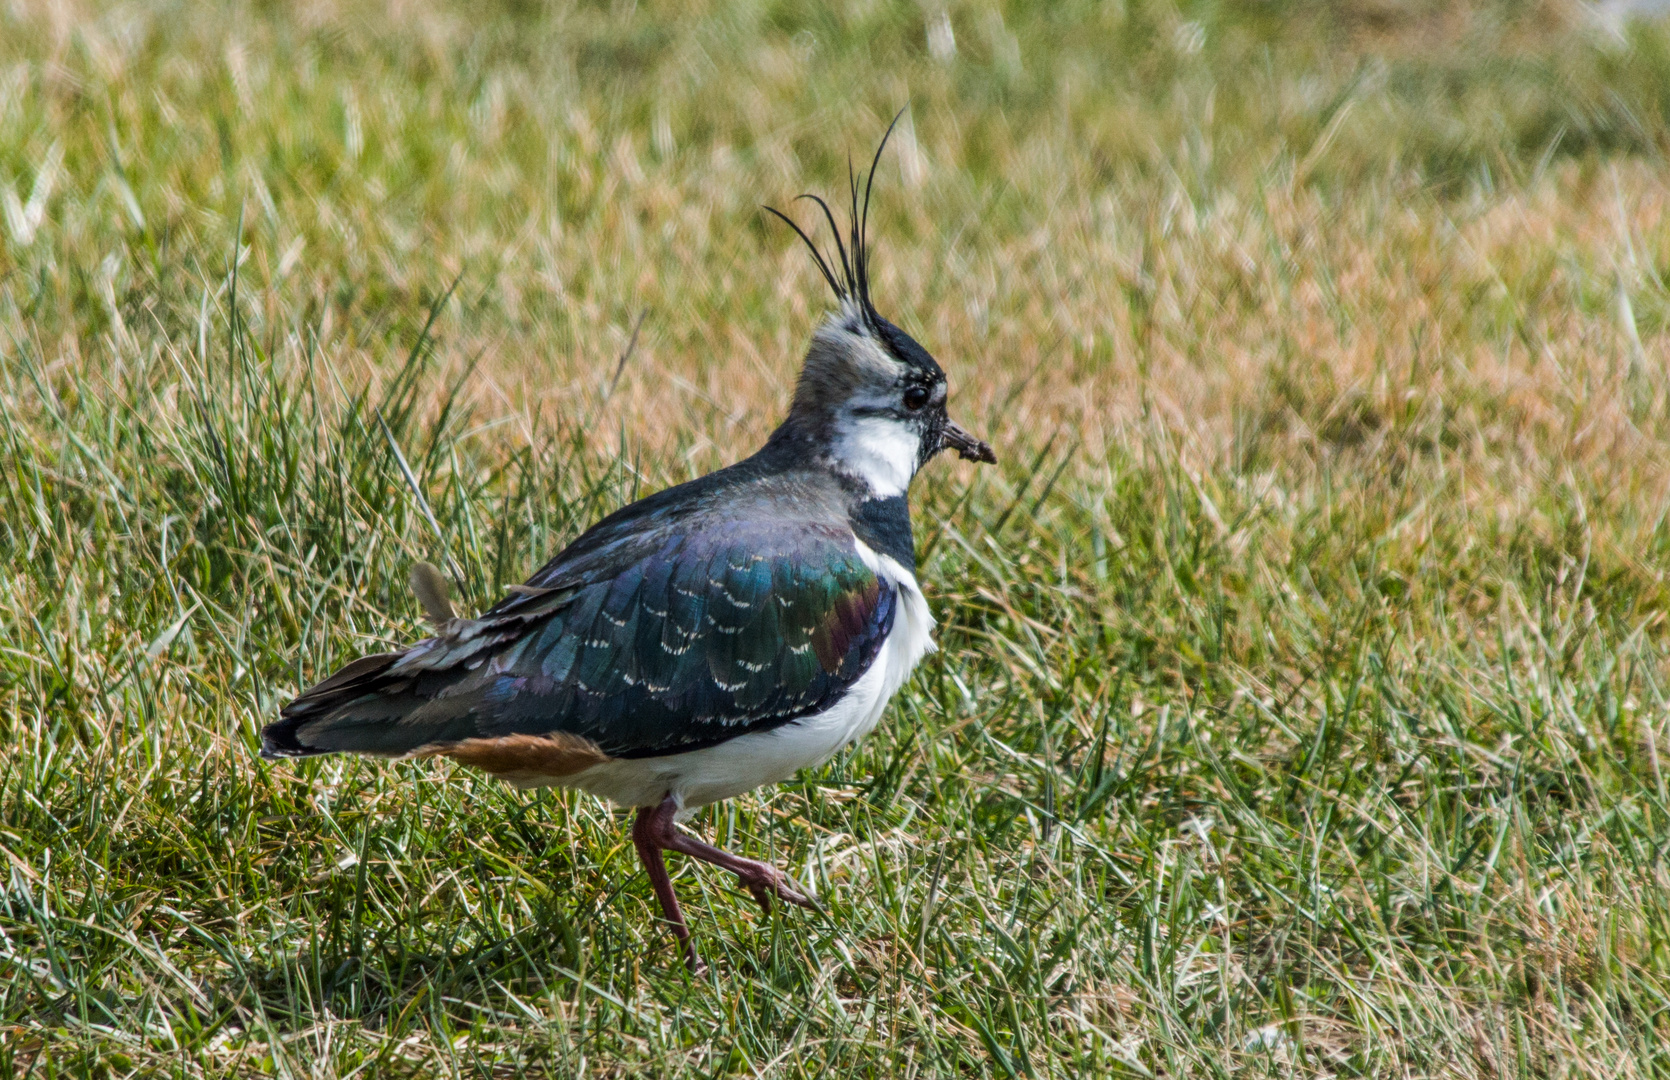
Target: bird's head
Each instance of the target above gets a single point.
(877, 401)
(869, 395)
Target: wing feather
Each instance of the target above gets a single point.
(688, 642)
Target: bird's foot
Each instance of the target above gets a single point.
(654, 831)
(765, 881)
(762, 880)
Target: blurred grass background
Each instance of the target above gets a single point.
(1301, 701)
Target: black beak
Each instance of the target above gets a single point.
(952, 437)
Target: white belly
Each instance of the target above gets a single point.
(749, 761)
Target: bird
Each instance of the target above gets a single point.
(715, 637)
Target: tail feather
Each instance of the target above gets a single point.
(393, 704)
(434, 693)
(282, 738)
(367, 708)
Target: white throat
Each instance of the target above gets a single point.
(878, 451)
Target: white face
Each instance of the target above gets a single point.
(879, 450)
(884, 415)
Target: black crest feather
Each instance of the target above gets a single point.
(848, 274)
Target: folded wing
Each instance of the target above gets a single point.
(677, 643)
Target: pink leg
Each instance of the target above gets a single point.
(761, 879)
(655, 830)
(647, 830)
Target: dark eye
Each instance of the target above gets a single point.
(916, 397)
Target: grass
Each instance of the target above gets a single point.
(1301, 701)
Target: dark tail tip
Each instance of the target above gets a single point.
(281, 738)
(278, 740)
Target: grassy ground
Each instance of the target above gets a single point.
(1302, 694)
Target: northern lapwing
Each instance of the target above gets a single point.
(707, 640)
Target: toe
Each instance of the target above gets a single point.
(795, 897)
